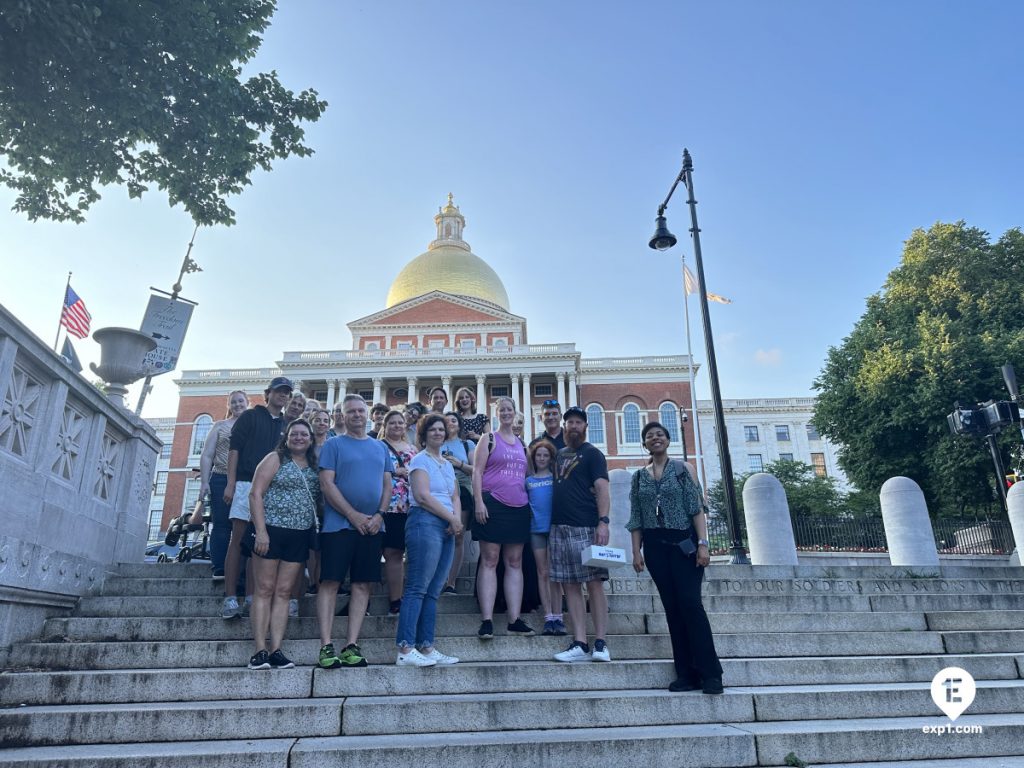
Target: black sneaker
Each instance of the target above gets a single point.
(683, 684)
(486, 631)
(260, 660)
(520, 627)
(279, 661)
(713, 685)
(448, 590)
(396, 607)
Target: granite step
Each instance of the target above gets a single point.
(186, 653)
(455, 625)
(168, 721)
(953, 620)
(183, 753)
(201, 684)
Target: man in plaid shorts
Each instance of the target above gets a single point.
(579, 518)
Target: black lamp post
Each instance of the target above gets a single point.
(662, 241)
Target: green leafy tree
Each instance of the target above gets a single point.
(140, 93)
(946, 320)
(806, 493)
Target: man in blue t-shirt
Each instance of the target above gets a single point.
(355, 477)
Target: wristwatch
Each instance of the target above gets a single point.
(703, 542)
(604, 519)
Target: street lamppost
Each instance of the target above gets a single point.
(662, 241)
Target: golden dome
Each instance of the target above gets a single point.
(448, 265)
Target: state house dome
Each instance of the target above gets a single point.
(448, 265)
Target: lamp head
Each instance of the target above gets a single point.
(662, 239)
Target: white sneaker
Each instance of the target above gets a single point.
(573, 654)
(600, 652)
(230, 608)
(439, 658)
(293, 608)
(414, 659)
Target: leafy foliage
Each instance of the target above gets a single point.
(140, 92)
(807, 493)
(947, 318)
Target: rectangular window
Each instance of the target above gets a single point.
(192, 486)
(782, 433)
(543, 390)
(161, 484)
(812, 432)
(754, 462)
(404, 345)
(367, 395)
(468, 343)
(750, 434)
(818, 462)
(785, 457)
(155, 516)
(499, 392)
(436, 343)
(165, 451)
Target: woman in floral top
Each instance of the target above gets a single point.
(394, 519)
(283, 504)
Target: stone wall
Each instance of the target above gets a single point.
(77, 475)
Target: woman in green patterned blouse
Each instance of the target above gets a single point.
(283, 504)
(667, 521)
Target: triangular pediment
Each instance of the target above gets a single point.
(437, 308)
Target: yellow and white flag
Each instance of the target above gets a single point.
(690, 285)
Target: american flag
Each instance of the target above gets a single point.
(75, 317)
(690, 285)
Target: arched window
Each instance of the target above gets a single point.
(595, 424)
(631, 424)
(668, 415)
(200, 429)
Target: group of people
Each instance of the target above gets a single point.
(300, 488)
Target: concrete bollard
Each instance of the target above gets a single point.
(619, 481)
(1015, 505)
(908, 529)
(769, 526)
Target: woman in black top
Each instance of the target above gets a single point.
(667, 521)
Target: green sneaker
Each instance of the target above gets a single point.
(352, 656)
(328, 657)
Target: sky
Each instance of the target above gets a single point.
(822, 136)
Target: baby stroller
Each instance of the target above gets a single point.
(180, 530)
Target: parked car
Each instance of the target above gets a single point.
(158, 552)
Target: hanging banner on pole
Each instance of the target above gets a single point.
(166, 322)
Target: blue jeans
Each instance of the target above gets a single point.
(220, 532)
(428, 555)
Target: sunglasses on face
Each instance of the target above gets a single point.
(550, 404)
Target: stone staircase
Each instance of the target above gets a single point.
(831, 666)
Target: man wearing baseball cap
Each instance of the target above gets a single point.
(579, 518)
(255, 434)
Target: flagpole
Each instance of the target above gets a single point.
(698, 449)
(63, 301)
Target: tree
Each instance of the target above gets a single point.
(947, 318)
(806, 493)
(140, 92)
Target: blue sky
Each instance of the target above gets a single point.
(822, 135)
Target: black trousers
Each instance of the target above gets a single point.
(678, 579)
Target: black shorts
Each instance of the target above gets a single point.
(348, 552)
(288, 544)
(394, 530)
(505, 524)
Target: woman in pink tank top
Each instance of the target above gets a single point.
(502, 520)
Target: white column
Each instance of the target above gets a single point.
(378, 384)
(410, 382)
(527, 409)
(451, 340)
(481, 393)
(446, 382)
(387, 341)
(330, 395)
(572, 389)
(515, 390)
(342, 388)
(561, 389)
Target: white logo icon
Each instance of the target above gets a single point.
(953, 691)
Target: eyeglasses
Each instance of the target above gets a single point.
(550, 404)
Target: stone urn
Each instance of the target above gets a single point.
(122, 351)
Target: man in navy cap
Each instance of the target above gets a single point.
(255, 434)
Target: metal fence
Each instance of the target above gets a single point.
(828, 533)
